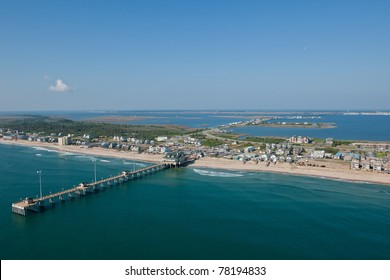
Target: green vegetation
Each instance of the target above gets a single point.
(380, 154)
(198, 135)
(212, 142)
(328, 150)
(341, 142)
(264, 140)
(47, 125)
(227, 135)
(331, 150)
(318, 140)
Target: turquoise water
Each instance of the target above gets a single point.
(188, 213)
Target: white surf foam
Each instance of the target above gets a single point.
(216, 173)
(38, 155)
(135, 163)
(87, 157)
(68, 154)
(104, 160)
(44, 149)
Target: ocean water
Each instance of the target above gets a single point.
(188, 213)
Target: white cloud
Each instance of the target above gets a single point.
(47, 78)
(60, 86)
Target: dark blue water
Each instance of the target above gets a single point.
(188, 213)
(348, 127)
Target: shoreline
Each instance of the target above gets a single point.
(346, 175)
(335, 173)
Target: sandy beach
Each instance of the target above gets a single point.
(335, 172)
(287, 168)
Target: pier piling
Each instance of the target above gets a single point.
(23, 207)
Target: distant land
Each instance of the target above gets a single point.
(216, 147)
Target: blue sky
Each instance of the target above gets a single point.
(134, 55)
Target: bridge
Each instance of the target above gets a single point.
(38, 204)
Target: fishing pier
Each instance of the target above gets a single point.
(23, 207)
(38, 204)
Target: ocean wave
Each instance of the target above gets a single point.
(38, 155)
(216, 173)
(44, 149)
(68, 154)
(104, 160)
(86, 157)
(135, 163)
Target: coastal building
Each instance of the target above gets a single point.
(329, 141)
(329, 155)
(161, 138)
(176, 158)
(297, 150)
(300, 139)
(377, 166)
(386, 168)
(273, 158)
(289, 159)
(317, 154)
(165, 150)
(22, 137)
(112, 145)
(264, 157)
(9, 137)
(339, 155)
(43, 139)
(249, 149)
(366, 165)
(355, 164)
(351, 156)
(64, 141)
(135, 148)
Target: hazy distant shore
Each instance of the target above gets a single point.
(220, 163)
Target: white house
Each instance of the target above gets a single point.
(161, 138)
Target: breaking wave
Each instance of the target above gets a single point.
(135, 163)
(44, 149)
(216, 173)
(87, 157)
(104, 160)
(68, 154)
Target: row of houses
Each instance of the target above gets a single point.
(192, 141)
(139, 141)
(32, 138)
(120, 146)
(161, 149)
(133, 140)
(373, 164)
(379, 147)
(262, 157)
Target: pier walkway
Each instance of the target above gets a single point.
(38, 204)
